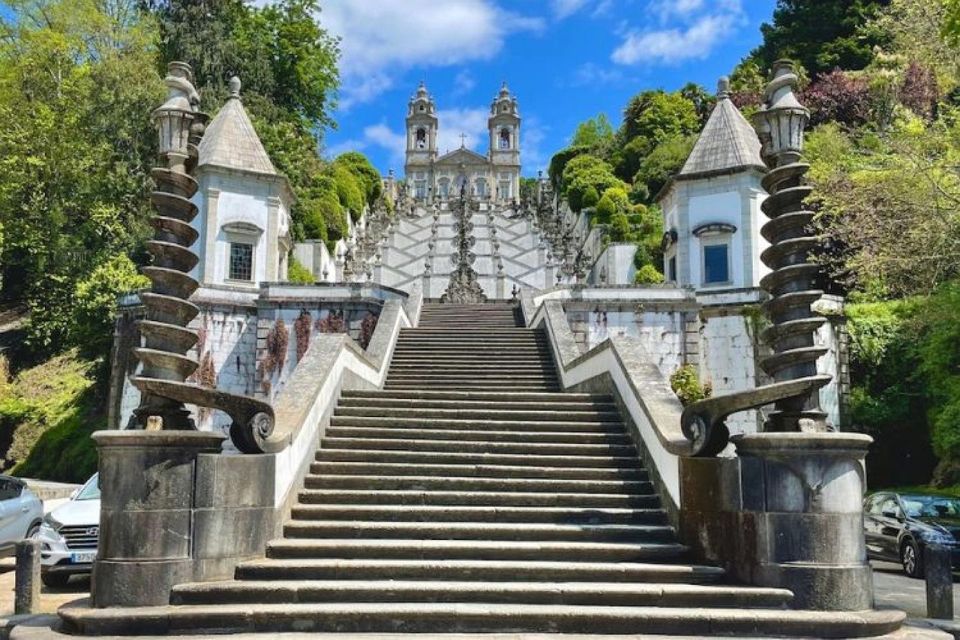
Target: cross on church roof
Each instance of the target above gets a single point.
(463, 140)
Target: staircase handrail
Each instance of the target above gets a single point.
(307, 400)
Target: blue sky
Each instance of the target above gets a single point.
(566, 61)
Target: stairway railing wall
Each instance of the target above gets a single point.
(621, 366)
(244, 500)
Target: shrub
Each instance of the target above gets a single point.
(350, 190)
(298, 273)
(648, 274)
(685, 382)
(360, 167)
(95, 303)
(838, 97)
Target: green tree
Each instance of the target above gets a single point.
(78, 80)
(583, 173)
(361, 168)
(595, 134)
(820, 34)
(650, 118)
(663, 163)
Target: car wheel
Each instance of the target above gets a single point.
(911, 559)
(33, 532)
(55, 580)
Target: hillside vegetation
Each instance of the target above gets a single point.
(882, 81)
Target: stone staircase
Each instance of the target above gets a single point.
(471, 496)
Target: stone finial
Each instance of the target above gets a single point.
(235, 87)
(723, 88)
(782, 122)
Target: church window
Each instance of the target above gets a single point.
(241, 261)
(421, 189)
(421, 138)
(672, 269)
(716, 263)
(504, 190)
(504, 138)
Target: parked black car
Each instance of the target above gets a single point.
(899, 526)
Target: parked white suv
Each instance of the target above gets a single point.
(69, 534)
(20, 513)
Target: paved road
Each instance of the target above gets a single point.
(894, 589)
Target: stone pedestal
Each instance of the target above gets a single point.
(148, 482)
(787, 512)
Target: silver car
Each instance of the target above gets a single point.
(21, 512)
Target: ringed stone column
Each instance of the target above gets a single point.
(802, 485)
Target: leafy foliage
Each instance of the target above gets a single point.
(685, 382)
(820, 34)
(299, 274)
(46, 416)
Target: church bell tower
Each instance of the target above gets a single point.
(504, 127)
(421, 142)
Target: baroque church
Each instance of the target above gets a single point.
(495, 176)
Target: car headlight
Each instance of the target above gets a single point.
(52, 522)
(933, 536)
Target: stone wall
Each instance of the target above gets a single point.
(719, 333)
(236, 329)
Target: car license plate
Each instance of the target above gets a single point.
(84, 558)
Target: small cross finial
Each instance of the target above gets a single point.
(463, 140)
(234, 87)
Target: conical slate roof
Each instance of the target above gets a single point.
(231, 141)
(727, 144)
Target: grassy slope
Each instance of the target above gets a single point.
(46, 416)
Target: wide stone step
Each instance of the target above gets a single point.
(475, 386)
(655, 531)
(399, 617)
(580, 593)
(477, 361)
(457, 458)
(491, 376)
(455, 483)
(477, 470)
(467, 341)
(455, 330)
(404, 386)
(558, 403)
(479, 436)
(398, 549)
(511, 415)
(459, 367)
(506, 396)
(525, 426)
(513, 499)
(467, 352)
(460, 569)
(476, 513)
(475, 446)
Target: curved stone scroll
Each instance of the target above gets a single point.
(253, 420)
(704, 422)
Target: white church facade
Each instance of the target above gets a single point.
(431, 176)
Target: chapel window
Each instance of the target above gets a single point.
(672, 269)
(716, 263)
(241, 261)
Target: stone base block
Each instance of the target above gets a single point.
(134, 583)
(821, 587)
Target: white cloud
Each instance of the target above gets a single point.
(693, 38)
(383, 38)
(533, 133)
(376, 135)
(566, 8)
(591, 74)
(472, 123)
(463, 83)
